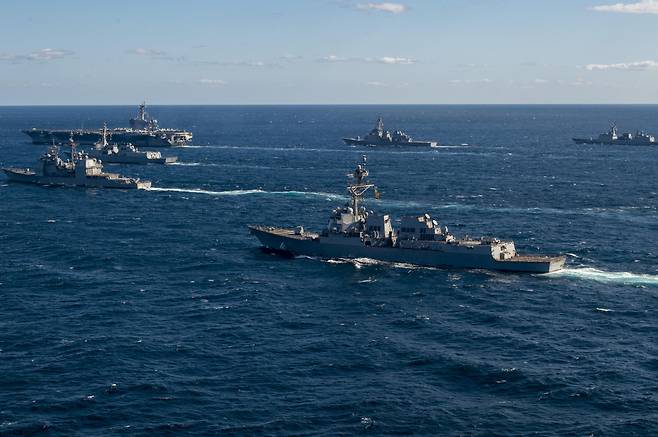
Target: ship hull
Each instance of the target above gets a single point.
(26, 177)
(90, 137)
(107, 159)
(291, 244)
(612, 143)
(360, 142)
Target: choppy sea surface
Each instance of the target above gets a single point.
(154, 312)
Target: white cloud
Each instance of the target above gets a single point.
(333, 58)
(632, 66)
(244, 63)
(540, 81)
(470, 81)
(377, 84)
(391, 8)
(49, 54)
(391, 60)
(288, 57)
(155, 54)
(388, 60)
(46, 54)
(146, 52)
(641, 7)
(217, 82)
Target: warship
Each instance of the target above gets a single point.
(143, 132)
(380, 137)
(353, 232)
(124, 153)
(612, 137)
(80, 171)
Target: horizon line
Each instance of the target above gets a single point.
(325, 104)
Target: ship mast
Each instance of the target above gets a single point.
(380, 126)
(359, 188)
(72, 145)
(104, 135)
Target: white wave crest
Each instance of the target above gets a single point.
(593, 274)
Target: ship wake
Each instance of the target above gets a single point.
(207, 192)
(592, 274)
(257, 191)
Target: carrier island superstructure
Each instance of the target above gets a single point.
(353, 232)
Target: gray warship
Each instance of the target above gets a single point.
(353, 232)
(612, 137)
(143, 132)
(124, 153)
(80, 171)
(380, 137)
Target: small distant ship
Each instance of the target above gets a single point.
(353, 232)
(79, 171)
(380, 137)
(612, 137)
(143, 132)
(124, 153)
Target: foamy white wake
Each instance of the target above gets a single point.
(593, 274)
(208, 192)
(331, 196)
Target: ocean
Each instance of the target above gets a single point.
(155, 313)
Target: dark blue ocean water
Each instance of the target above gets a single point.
(154, 312)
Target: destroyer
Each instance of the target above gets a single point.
(353, 232)
(125, 153)
(612, 137)
(81, 171)
(143, 132)
(380, 137)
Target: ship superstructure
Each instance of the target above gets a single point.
(354, 232)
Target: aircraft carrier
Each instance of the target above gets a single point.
(143, 132)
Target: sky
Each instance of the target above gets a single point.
(328, 52)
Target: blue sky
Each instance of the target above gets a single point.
(328, 51)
